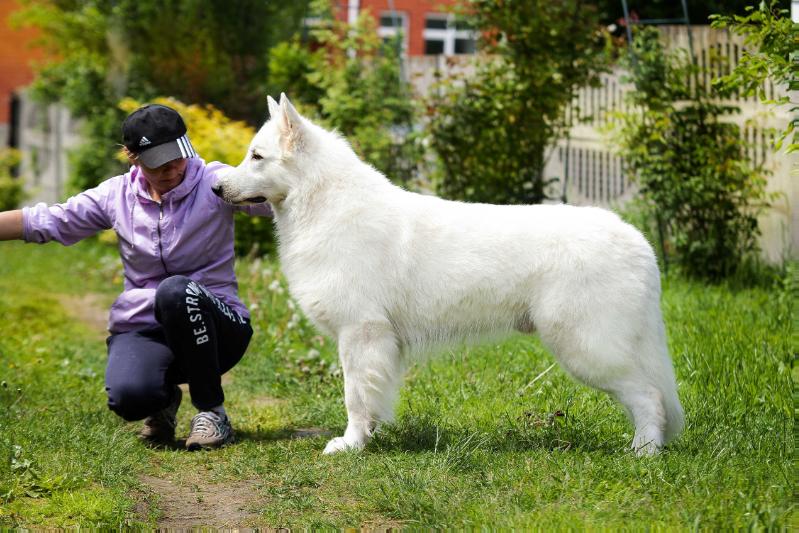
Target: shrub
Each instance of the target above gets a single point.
(11, 190)
(490, 129)
(690, 164)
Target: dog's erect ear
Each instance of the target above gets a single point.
(291, 111)
(274, 108)
(290, 125)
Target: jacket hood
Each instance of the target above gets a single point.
(192, 176)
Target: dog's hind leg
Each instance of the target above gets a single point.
(628, 359)
(638, 394)
(644, 406)
(373, 370)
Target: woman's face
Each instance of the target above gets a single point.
(166, 177)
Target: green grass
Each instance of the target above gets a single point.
(474, 443)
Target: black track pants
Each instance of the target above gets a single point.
(200, 339)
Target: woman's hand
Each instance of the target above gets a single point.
(10, 225)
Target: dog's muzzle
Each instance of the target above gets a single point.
(217, 189)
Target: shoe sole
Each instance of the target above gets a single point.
(196, 446)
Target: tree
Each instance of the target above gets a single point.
(698, 12)
(490, 130)
(11, 190)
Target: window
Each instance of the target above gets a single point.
(435, 22)
(393, 23)
(444, 34)
(433, 47)
(464, 46)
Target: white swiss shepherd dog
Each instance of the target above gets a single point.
(389, 274)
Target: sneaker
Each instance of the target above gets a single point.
(160, 427)
(209, 430)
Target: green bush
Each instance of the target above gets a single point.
(95, 160)
(11, 190)
(690, 164)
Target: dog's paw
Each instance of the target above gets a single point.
(645, 448)
(340, 444)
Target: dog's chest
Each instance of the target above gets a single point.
(318, 283)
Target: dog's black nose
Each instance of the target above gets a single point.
(217, 189)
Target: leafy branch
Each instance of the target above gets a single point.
(773, 39)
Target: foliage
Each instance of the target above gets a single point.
(11, 190)
(774, 38)
(490, 129)
(473, 443)
(95, 159)
(347, 78)
(690, 164)
(216, 137)
(197, 51)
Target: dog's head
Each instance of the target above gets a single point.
(269, 171)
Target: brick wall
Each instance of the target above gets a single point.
(414, 10)
(16, 55)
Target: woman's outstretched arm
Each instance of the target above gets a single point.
(10, 225)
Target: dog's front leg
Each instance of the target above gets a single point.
(373, 369)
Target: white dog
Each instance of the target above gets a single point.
(390, 273)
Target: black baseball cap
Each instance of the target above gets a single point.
(156, 134)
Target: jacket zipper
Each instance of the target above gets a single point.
(160, 247)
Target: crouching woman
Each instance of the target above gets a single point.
(179, 318)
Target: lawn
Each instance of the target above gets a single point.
(488, 435)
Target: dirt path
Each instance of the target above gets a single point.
(90, 309)
(188, 505)
(185, 502)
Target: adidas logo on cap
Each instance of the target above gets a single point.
(144, 141)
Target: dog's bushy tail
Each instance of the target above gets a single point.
(675, 418)
(667, 385)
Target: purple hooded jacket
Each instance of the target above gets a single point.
(189, 233)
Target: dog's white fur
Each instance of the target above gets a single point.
(390, 273)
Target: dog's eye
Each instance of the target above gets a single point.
(256, 156)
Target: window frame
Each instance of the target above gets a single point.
(448, 35)
(390, 31)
